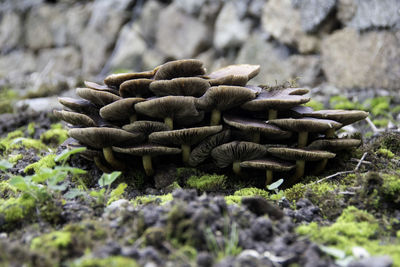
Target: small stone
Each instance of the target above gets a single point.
(204, 259)
(261, 229)
(313, 12)
(116, 205)
(377, 261)
(41, 104)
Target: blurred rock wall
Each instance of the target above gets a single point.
(345, 43)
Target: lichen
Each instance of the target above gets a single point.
(207, 182)
(45, 162)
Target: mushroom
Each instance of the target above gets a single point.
(121, 110)
(135, 88)
(305, 125)
(203, 150)
(277, 99)
(229, 80)
(301, 156)
(115, 80)
(98, 98)
(145, 127)
(334, 144)
(238, 74)
(223, 97)
(79, 105)
(147, 151)
(256, 127)
(104, 138)
(74, 118)
(270, 165)
(184, 137)
(186, 86)
(99, 87)
(236, 152)
(179, 68)
(169, 108)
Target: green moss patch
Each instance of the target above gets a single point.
(152, 199)
(55, 136)
(114, 261)
(45, 162)
(211, 182)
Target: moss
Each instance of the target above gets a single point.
(45, 162)
(378, 105)
(31, 129)
(342, 102)
(391, 187)
(14, 210)
(154, 236)
(54, 136)
(152, 199)
(6, 142)
(353, 228)
(386, 153)
(117, 193)
(113, 261)
(7, 190)
(57, 239)
(237, 196)
(7, 97)
(316, 105)
(15, 158)
(207, 182)
(230, 200)
(380, 123)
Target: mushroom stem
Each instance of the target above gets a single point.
(215, 117)
(269, 176)
(133, 118)
(300, 164)
(272, 114)
(236, 167)
(147, 165)
(185, 153)
(302, 140)
(330, 133)
(321, 166)
(100, 165)
(169, 122)
(256, 137)
(109, 156)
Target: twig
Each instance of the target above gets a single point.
(331, 176)
(372, 125)
(361, 160)
(364, 161)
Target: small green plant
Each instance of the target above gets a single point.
(5, 165)
(105, 181)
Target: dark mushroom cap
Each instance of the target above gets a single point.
(268, 164)
(76, 119)
(334, 144)
(229, 80)
(98, 98)
(188, 136)
(135, 88)
(104, 137)
(277, 99)
(186, 86)
(246, 70)
(99, 87)
(120, 110)
(148, 149)
(224, 97)
(88, 153)
(345, 117)
(300, 111)
(253, 125)
(203, 150)
(299, 154)
(145, 127)
(179, 68)
(226, 154)
(115, 80)
(177, 107)
(306, 124)
(79, 105)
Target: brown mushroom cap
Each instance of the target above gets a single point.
(253, 125)
(120, 110)
(104, 137)
(147, 149)
(179, 68)
(224, 155)
(224, 97)
(268, 164)
(306, 124)
(246, 70)
(186, 86)
(277, 99)
(188, 136)
(178, 107)
(115, 80)
(299, 154)
(76, 119)
(334, 144)
(203, 150)
(345, 117)
(135, 88)
(98, 98)
(145, 127)
(229, 80)
(79, 105)
(99, 87)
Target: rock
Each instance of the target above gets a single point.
(65, 61)
(313, 12)
(230, 31)
(377, 261)
(191, 7)
(148, 21)
(10, 31)
(116, 205)
(256, 7)
(353, 60)
(152, 58)
(366, 14)
(179, 35)
(204, 259)
(129, 49)
(283, 22)
(41, 104)
(77, 17)
(101, 32)
(306, 69)
(11, 67)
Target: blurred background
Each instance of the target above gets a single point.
(334, 47)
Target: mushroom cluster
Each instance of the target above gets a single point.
(177, 108)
